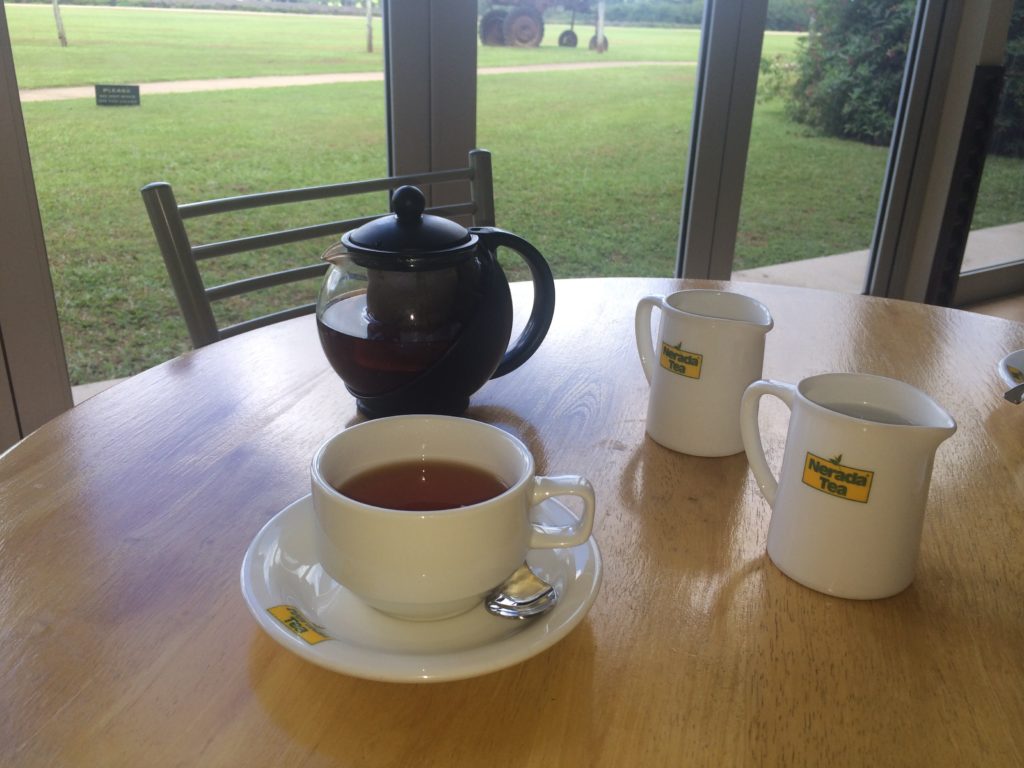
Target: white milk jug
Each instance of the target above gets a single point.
(710, 347)
(848, 504)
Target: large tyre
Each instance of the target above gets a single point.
(524, 27)
(594, 46)
(568, 39)
(492, 28)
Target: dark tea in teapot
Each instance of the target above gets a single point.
(374, 358)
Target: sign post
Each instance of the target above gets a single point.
(117, 96)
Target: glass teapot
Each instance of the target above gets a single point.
(415, 312)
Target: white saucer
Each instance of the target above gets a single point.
(324, 623)
(1011, 368)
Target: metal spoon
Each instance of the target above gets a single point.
(1015, 395)
(521, 595)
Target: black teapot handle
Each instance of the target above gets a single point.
(543, 296)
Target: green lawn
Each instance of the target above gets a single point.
(590, 169)
(140, 45)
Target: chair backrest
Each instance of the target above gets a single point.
(182, 256)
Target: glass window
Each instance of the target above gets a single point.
(589, 147)
(997, 228)
(202, 126)
(819, 144)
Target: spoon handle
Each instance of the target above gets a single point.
(1015, 395)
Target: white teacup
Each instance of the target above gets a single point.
(433, 564)
(710, 347)
(848, 504)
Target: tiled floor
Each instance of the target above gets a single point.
(846, 271)
(83, 392)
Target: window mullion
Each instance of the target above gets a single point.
(730, 56)
(430, 85)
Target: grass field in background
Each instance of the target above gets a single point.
(588, 165)
(117, 311)
(138, 45)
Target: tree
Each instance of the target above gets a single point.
(60, 24)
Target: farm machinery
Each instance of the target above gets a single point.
(521, 23)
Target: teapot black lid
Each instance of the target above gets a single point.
(409, 239)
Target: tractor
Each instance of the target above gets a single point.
(522, 23)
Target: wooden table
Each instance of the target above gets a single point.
(124, 638)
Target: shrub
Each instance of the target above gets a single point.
(655, 12)
(1008, 135)
(789, 15)
(850, 66)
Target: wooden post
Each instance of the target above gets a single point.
(60, 24)
(602, 43)
(369, 26)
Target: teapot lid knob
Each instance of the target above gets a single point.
(408, 204)
(409, 239)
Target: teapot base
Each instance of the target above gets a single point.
(377, 407)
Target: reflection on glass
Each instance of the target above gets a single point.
(997, 229)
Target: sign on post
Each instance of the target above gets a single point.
(117, 96)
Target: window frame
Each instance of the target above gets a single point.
(34, 383)
(723, 111)
(430, 86)
(947, 43)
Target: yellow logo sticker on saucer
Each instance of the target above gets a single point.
(299, 624)
(832, 477)
(679, 361)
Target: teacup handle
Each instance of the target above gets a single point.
(751, 431)
(644, 340)
(550, 536)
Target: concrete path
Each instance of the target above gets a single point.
(282, 81)
(847, 272)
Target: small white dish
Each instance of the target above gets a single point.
(1011, 369)
(310, 614)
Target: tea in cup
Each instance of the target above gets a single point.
(710, 347)
(421, 516)
(848, 504)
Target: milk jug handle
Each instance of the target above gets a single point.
(644, 340)
(751, 431)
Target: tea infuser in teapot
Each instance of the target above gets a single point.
(415, 312)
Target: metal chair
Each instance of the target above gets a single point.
(182, 257)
